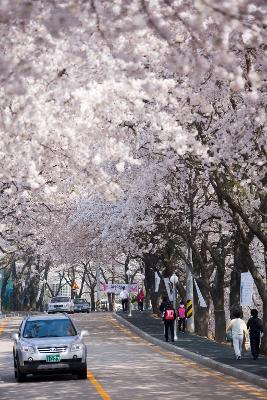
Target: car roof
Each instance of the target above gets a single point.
(46, 317)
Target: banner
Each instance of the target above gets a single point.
(201, 300)
(157, 282)
(168, 288)
(117, 287)
(246, 289)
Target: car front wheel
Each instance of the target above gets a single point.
(18, 374)
(82, 374)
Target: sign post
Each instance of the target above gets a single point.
(74, 289)
(190, 323)
(174, 281)
(97, 289)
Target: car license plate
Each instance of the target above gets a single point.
(53, 358)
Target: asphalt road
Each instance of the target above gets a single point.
(121, 366)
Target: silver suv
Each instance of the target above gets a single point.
(49, 344)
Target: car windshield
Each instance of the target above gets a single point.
(49, 328)
(60, 300)
(79, 301)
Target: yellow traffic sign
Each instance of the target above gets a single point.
(75, 286)
(189, 308)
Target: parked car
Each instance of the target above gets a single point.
(60, 304)
(81, 305)
(49, 344)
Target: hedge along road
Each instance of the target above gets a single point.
(121, 365)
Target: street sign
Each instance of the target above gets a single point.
(189, 309)
(75, 286)
(117, 287)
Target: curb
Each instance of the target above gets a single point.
(215, 365)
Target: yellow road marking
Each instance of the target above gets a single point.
(99, 388)
(2, 326)
(259, 393)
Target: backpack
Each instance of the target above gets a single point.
(181, 312)
(169, 315)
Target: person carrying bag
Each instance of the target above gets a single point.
(169, 318)
(239, 331)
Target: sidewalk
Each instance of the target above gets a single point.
(214, 355)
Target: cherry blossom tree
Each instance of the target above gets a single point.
(135, 130)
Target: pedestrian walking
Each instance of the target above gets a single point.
(162, 308)
(182, 317)
(140, 300)
(239, 330)
(163, 305)
(255, 328)
(169, 317)
(124, 297)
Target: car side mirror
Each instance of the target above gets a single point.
(15, 337)
(84, 333)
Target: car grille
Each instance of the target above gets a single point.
(56, 349)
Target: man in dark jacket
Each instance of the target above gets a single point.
(163, 305)
(255, 328)
(169, 317)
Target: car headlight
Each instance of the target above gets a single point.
(76, 347)
(28, 349)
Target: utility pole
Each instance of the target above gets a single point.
(129, 273)
(190, 323)
(174, 281)
(97, 289)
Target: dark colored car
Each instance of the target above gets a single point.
(81, 305)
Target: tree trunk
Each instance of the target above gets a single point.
(264, 338)
(201, 313)
(92, 297)
(201, 318)
(154, 297)
(234, 290)
(150, 261)
(110, 302)
(240, 265)
(217, 293)
(40, 302)
(6, 275)
(220, 324)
